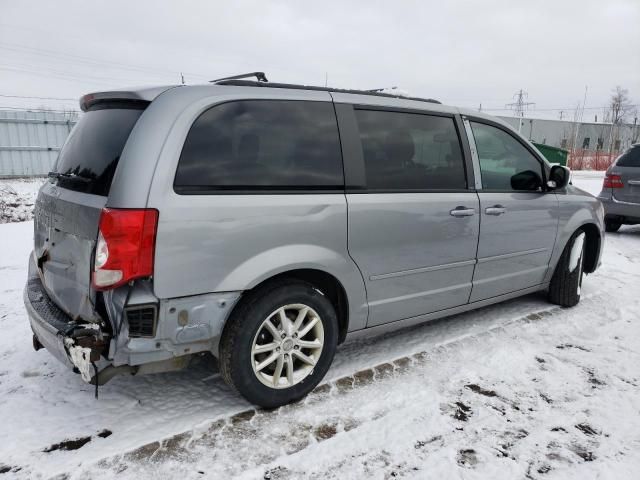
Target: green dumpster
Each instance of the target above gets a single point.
(553, 154)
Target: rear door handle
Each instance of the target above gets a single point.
(634, 182)
(462, 212)
(495, 210)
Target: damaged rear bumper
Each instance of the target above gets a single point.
(183, 327)
(77, 345)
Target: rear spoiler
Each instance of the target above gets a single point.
(139, 97)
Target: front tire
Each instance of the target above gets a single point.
(566, 283)
(279, 343)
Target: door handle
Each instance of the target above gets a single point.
(634, 182)
(462, 212)
(495, 210)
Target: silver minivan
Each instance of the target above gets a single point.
(266, 223)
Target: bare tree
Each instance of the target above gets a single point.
(620, 107)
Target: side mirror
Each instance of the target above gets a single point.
(558, 177)
(527, 180)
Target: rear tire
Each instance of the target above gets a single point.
(565, 286)
(279, 343)
(611, 226)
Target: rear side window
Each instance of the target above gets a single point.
(91, 153)
(262, 145)
(630, 158)
(505, 164)
(407, 151)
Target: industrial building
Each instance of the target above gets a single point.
(30, 140)
(576, 135)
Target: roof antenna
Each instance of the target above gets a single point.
(260, 76)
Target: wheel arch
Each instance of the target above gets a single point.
(592, 246)
(325, 282)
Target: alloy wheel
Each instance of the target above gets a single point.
(287, 346)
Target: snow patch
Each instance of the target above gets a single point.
(17, 197)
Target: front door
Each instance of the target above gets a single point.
(519, 218)
(413, 227)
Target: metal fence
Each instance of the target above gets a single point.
(581, 159)
(30, 140)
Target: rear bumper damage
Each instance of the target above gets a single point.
(79, 345)
(184, 327)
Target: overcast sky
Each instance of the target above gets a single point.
(462, 53)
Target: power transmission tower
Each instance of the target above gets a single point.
(520, 105)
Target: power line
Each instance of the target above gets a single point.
(27, 109)
(48, 73)
(202, 59)
(565, 109)
(90, 61)
(38, 98)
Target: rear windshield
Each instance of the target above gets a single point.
(90, 155)
(630, 158)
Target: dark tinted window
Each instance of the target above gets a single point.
(505, 164)
(630, 158)
(264, 144)
(406, 151)
(90, 155)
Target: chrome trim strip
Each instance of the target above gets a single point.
(634, 182)
(420, 294)
(474, 153)
(511, 255)
(621, 202)
(414, 271)
(489, 280)
(386, 327)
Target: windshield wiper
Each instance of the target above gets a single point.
(68, 176)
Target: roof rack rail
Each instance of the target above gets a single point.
(239, 82)
(259, 75)
(374, 90)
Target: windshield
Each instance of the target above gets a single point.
(90, 155)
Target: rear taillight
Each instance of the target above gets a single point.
(125, 246)
(612, 181)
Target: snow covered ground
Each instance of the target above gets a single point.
(517, 390)
(17, 197)
(588, 180)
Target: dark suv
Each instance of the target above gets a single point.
(621, 190)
